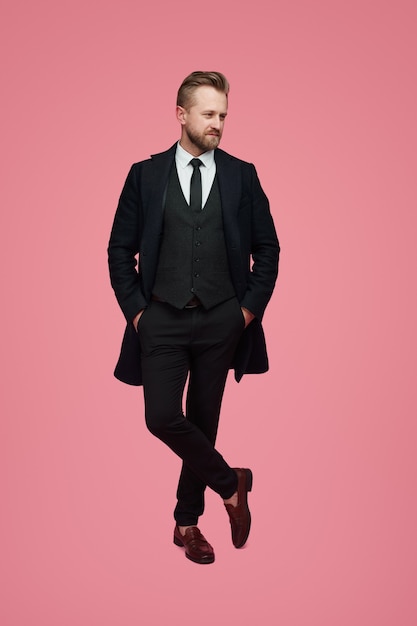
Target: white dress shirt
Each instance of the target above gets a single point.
(185, 170)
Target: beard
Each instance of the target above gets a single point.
(202, 141)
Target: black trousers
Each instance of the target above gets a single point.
(198, 345)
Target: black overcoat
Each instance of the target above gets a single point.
(251, 243)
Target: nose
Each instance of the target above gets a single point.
(216, 122)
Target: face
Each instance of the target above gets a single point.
(202, 123)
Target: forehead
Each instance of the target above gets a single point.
(207, 97)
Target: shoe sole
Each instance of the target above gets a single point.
(249, 480)
(249, 483)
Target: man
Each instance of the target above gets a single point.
(195, 216)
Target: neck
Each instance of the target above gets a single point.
(191, 148)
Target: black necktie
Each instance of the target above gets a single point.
(195, 186)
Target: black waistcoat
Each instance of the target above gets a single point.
(193, 258)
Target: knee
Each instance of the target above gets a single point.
(162, 425)
(154, 425)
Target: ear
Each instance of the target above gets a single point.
(181, 114)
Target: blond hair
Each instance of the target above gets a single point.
(195, 80)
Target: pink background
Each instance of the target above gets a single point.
(323, 100)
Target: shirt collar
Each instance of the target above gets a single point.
(183, 157)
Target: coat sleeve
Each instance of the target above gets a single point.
(264, 251)
(124, 246)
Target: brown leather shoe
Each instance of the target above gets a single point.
(197, 549)
(240, 519)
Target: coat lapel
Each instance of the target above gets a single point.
(229, 176)
(160, 167)
(155, 181)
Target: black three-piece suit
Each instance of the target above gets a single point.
(202, 342)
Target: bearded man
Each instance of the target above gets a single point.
(200, 224)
